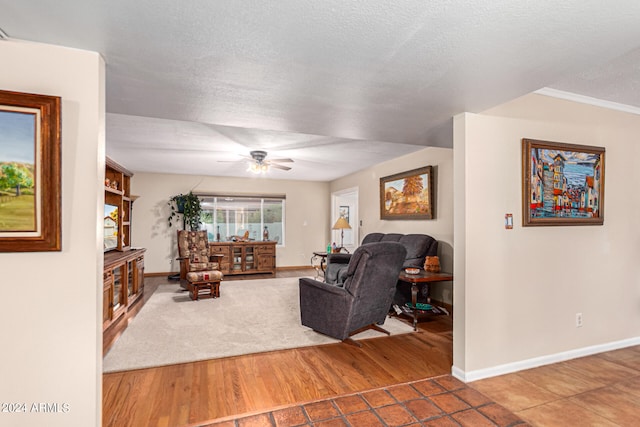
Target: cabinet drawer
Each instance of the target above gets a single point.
(265, 249)
(223, 250)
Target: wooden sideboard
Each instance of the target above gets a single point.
(253, 257)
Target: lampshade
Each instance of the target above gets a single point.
(341, 224)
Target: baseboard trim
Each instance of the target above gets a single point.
(168, 273)
(509, 368)
(294, 267)
(458, 373)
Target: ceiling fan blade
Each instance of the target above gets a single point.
(284, 168)
(281, 160)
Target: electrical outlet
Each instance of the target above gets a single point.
(578, 320)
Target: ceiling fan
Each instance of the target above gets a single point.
(260, 164)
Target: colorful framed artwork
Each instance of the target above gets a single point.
(408, 195)
(29, 172)
(562, 184)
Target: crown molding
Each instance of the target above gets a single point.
(570, 96)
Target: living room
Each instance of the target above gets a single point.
(515, 299)
(308, 216)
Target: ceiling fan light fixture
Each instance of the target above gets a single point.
(259, 164)
(258, 155)
(258, 168)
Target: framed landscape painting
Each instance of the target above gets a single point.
(29, 172)
(408, 195)
(562, 184)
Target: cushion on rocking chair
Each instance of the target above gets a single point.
(204, 276)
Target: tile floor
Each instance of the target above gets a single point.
(441, 401)
(598, 390)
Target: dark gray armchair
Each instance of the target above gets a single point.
(365, 298)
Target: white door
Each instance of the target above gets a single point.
(345, 203)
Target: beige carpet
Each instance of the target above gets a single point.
(251, 316)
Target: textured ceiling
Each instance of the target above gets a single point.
(337, 85)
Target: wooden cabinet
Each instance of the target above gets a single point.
(123, 283)
(266, 257)
(245, 257)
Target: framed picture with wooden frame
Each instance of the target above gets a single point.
(29, 172)
(408, 195)
(562, 184)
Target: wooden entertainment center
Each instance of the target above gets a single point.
(123, 276)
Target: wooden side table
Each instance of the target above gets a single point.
(421, 279)
(320, 268)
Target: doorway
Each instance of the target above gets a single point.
(345, 203)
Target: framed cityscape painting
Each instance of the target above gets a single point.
(408, 195)
(562, 184)
(29, 172)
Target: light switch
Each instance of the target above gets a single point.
(508, 221)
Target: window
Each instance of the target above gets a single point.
(229, 216)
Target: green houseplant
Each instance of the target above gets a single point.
(189, 206)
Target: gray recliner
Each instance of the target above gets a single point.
(365, 298)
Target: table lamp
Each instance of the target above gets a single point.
(341, 224)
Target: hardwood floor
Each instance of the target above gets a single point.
(192, 393)
(597, 390)
(260, 389)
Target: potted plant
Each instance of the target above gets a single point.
(189, 206)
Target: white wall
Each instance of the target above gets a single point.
(520, 289)
(307, 214)
(441, 228)
(51, 331)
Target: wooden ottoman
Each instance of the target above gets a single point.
(209, 289)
